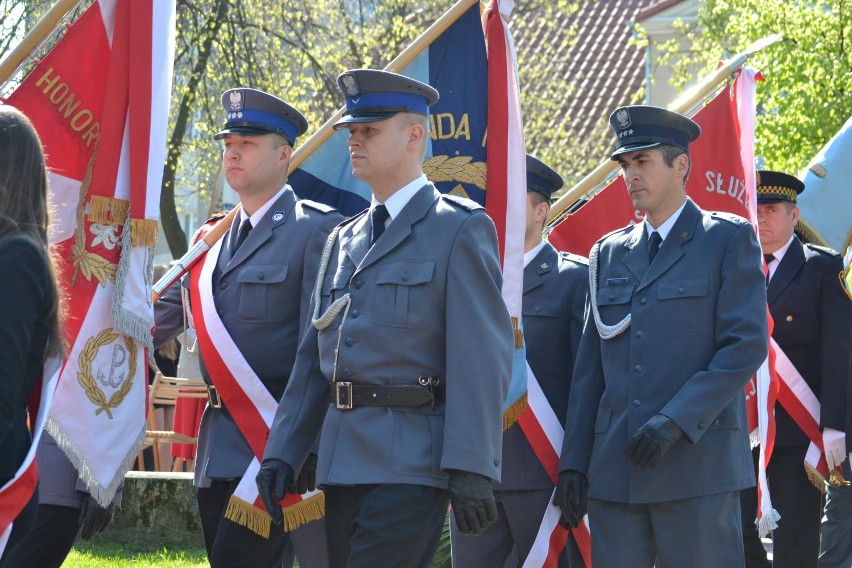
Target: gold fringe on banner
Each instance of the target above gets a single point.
(510, 415)
(249, 516)
(519, 334)
(815, 477)
(144, 232)
(305, 511)
(108, 210)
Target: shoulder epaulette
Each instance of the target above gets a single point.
(821, 249)
(463, 202)
(576, 258)
(729, 217)
(628, 228)
(216, 217)
(353, 218)
(316, 205)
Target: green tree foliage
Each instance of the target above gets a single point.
(807, 93)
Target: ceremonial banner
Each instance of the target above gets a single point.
(99, 101)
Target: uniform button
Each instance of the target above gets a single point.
(680, 290)
(349, 342)
(496, 462)
(612, 298)
(347, 372)
(405, 277)
(637, 403)
(355, 314)
(261, 276)
(359, 283)
(643, 301)
(702, 426)
(223, 285)
(637, 368)
(536, 309)
(789, 318)
(640, 334)
(220, 311)
(715, 422)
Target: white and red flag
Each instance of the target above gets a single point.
(100, 102)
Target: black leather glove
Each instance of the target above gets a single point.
(572, 490)
(93, 518)
(307, 480)
(472, 500)
(653, 440)
(273, 477)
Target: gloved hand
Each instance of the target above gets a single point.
(653, 440)
(472, 500)
(93, 518)
(273, 477)
(307, 480)
(572, 490)
(834, 444)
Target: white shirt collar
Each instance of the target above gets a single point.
(396, 202)
(529, 256)
(257, 216)
(667, 225)
(779, 254)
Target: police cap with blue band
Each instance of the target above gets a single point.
(777, 187)
(252, 113)
(373, 95)
(641, 127)
(542, 178)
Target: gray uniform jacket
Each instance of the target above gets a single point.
(555, 287)
(262, 297)
(698, 333)
(425, 301)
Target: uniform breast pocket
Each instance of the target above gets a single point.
(262, 296)
(541, 321)
(682, 301)
(399, 292)
(614, 302)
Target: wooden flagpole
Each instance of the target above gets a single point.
(398, 64)
(682, 104)
(34, 38)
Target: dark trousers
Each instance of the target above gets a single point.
(230, 545)
(22, 525)
(795, 543)
(49, 542)
(395, 525)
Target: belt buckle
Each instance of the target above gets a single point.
(213, 397)
(343, 395)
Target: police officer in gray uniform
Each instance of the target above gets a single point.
(406, 367)
(656, 433)
(555, 287)
(261, 287)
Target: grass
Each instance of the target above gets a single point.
(105, 554)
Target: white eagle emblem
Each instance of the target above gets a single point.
(623, 118)
(236, 98)
(350, 84)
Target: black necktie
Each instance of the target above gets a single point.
(768, 258)
(245, 229)
(654, 242)
(378, 216)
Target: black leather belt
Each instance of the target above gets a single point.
(347, 395)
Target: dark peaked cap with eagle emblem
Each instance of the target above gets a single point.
(641, 127)
(251, 113)
(373, 95)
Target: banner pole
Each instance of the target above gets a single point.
(399, 63)
(34, 38)
(682, 104)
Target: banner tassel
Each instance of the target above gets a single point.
(519, 334)
(511, 414)
(303, 512)
(108, 210)
(144, 232)
(248, 516)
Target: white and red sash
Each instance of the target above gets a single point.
(249, 403)
(544, 432)
(17, 492)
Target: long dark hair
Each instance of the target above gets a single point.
(24, 209)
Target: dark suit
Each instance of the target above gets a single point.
(812, 317)
(261, 295)
(698, 333)
(555, 287)
(425, 302)
(26, 301)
